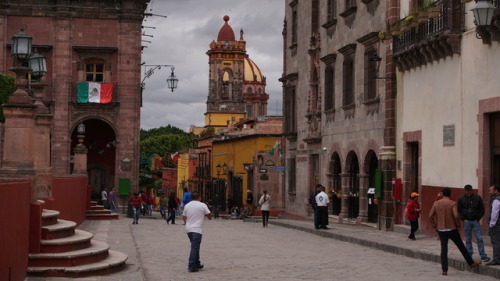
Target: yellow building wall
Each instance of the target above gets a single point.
(182, 173)
(222, 119)
(235, 153)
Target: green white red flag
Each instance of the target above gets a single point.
(91, 92)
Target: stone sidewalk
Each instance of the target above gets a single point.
(138, 242)
(424, 248)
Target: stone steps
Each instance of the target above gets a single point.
(97, 212)
(69, 252)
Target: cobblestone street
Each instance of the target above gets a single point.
(237, 250)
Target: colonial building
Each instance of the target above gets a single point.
(448, 129)
(92, 45)
(339, 118)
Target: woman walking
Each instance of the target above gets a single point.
(172, 208)
(265, 206)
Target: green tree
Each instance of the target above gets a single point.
(7, 87)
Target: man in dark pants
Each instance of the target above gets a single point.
(494, 223)
(322, 201)
(312, 202)
(471, 209)
(446, 221)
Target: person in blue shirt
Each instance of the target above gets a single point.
(187, 197)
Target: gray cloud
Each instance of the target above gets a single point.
(182, 39)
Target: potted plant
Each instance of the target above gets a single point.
(423, 17)
(383, 35)
(433, 11)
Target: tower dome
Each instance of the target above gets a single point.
(226, 33)
(251, 71)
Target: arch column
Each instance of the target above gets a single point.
(344, 199)
(363, 198)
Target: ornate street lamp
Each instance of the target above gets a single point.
(483, 12)
(171, 80)
(21, 46)
(38, 66)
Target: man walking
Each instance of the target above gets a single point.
(250, 202)
(322, 201)
(445, 219)
(494, 223)
(471, 210)
(193, 216)
(314, 206)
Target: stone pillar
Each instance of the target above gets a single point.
(388, 167)
(42, 185)
(345, 202)
(19, 112)
(80, 162)
(363, 198)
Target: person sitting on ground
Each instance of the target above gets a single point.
(244, 212)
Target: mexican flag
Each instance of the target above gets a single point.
(94, 92)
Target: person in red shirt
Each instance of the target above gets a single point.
(412, 214)
(151, 203)
(136, 202)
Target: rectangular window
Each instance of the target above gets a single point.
(348, 82)
(94, 71)
(291, 175)
(329, 88)
(294, 27)
(290, 117)
(331, 10)
(314, 16)
(370, 76)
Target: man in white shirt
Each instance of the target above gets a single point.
(193, 216)
(322, 201)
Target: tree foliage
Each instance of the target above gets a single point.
(167, 130)
(7, 87)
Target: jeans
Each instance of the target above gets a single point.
(495, 242)
(413, 229)
(171, 215)
(194, 255)
(162, 211)
(216, 211)
(316, 221)
(265, 218)
(136, 213)
(444, 236)
(112, 207)
(474, 227)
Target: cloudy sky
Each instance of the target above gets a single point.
(182, 39)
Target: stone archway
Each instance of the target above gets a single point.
(351, 188)
(101, 142)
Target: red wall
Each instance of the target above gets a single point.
(14, 236)
(71, 197)
(427, 198)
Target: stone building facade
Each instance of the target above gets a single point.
(86, 41)
(339, 118)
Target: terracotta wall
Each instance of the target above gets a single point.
(71, 197)
(427, 197)
(14, 236)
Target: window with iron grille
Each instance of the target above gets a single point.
(94, 71)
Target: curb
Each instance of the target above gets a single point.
(386, 247)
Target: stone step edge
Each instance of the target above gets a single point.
(95, 248)
(60, 225)
(79, 236)
(114, 259)
(46, 213)
(102, 215)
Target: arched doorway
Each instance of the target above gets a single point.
(374, 182)
(352, 166)
(100, 139)
(335, 183)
